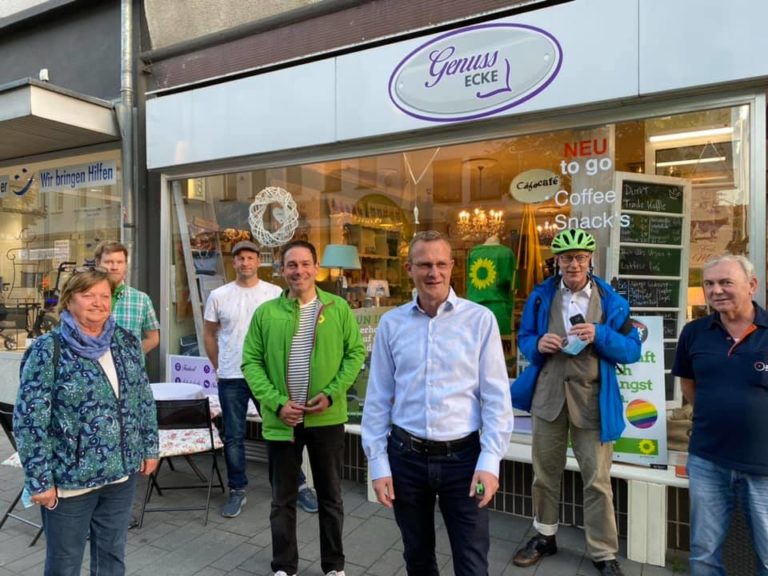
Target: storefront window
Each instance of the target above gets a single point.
(53, 215)
(661, 196)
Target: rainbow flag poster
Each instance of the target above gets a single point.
(641, 414)
(643, 399)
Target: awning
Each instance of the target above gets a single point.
(37, 118)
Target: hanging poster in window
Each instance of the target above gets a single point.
(368, 319)
(643, 398)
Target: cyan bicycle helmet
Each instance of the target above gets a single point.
(573, 239)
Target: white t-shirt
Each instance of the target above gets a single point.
(232, 307)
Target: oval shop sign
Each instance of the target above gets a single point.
(475, 72)
(534, 186)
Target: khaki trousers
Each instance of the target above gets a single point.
(550, 442)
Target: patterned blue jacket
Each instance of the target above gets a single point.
(71, 430)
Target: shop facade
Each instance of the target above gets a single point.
(66, 134)
(595, 114)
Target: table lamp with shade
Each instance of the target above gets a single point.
(343, 257)
(697, 303)
(376, 289)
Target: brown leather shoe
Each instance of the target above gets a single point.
(536, 548)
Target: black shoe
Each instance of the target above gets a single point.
(536, 548)
(608, 568)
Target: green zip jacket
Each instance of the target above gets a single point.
(337, 356)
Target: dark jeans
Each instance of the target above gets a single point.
(234, 394)
(418, 479)
(104, 514)
(325, 446)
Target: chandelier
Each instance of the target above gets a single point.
(546, 232)
(480, 224)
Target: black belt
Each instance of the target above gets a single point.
(433, 447)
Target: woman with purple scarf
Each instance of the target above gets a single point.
(85, 423)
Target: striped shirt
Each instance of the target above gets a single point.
(301, 351)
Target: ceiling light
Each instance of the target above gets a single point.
(727, 177)
(693, 134)
(480, 224)
(689, 162)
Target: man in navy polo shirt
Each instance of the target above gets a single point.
(722, 362)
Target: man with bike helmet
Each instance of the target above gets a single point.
(574, 331)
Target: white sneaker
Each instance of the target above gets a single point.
(335, 573)
(283, 573)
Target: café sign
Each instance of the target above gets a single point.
(475, 72)
(534, 186)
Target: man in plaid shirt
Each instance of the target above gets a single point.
(131, 308)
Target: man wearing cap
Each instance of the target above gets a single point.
(574, 331)
(227, 316)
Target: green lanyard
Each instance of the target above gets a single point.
(116, 294)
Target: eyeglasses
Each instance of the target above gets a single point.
(580, 259)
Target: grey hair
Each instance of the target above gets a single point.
(427, 236)
(742, 261)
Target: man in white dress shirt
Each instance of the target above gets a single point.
(575, 330)
(438, 415)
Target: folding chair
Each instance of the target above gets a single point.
(185, 429)
(6, 420)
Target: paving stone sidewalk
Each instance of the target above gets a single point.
(177, 543)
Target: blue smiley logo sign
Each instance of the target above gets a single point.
(25, 181)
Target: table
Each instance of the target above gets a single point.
(177, 391)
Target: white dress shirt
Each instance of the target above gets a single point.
(574, 302)
(438, 378)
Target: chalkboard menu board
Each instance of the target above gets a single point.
(650, 293)
(647, 229)
(649, 261)
(649, 256)
(651, 197)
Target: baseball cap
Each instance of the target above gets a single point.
(245, 245)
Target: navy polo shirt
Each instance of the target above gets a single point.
(730, 411)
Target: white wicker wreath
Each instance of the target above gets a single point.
(286, 215)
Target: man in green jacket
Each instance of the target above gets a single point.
(302, 353)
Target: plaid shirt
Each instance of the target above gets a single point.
(134, 312)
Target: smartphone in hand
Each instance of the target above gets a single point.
(573, 344)
(576, 319)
